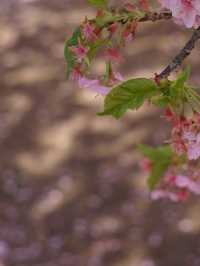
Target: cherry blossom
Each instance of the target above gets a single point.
(163, 194)
(104, 36)
(88, 32)
(186, 12)
(80, 51)
(93, 85)
(185, 135)
(113, 55)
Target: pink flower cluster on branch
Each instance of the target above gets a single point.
(180, 180)
(105, 35)
(186, 12)
(185, 136)
(177, 187)
(174, 170)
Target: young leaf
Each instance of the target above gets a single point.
(163, 153)
(130, 94)
(106, 18)
(69, 56)
(161, 100)
(178, 84)
(156, 174)
(193, 99)
(161, 159)
(74, 39)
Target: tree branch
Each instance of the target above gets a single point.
(150, 16)
(154, 16)
(179, 58)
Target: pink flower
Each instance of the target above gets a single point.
(118, 76)
(185, 136)
(186, 182)
(76, 73)
(182, 181)
(144, 4)
(113, 55)
(183, 194)
(169, 115)
(193, 151)
(113, 28)
(146, 165)
(129, 31)
(162, 194)
(193, 144)
(88, 32)
(94, 85)
(80, 51)
(189, 136)
(186, 12)
(178, 145)
(194, 187)
(129, 7)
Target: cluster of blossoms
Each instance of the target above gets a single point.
(173, 169)
(177, 187)
(181, 177)
(185, 12)
(185, 136)
(103, 36)
(180, 180)
(112, 29)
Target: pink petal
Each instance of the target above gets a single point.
(118, 76)
(182, 181)
(94, 85)
(161, 194)
(193, 151)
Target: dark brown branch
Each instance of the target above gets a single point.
(154, 16)
(179, 58)
(151, 16)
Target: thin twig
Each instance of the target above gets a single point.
(179, 58)
(154, 16)
(149, 16)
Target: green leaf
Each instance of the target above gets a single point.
(193, 99)
(130, 94)
(74, 39)
(69, 56)
(161, 100)
(98, 3)
(106, 18)
(182, 78)
(157, 172)
(176, 91)
(161, 158)
(162, 153)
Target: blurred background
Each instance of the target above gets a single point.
(72, 193)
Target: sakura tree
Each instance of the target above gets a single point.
(173, 168)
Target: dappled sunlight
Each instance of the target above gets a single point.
(191, 222)
(30, 75)
(55, 144)
(66, 189)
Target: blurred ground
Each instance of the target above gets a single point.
(72, 193)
